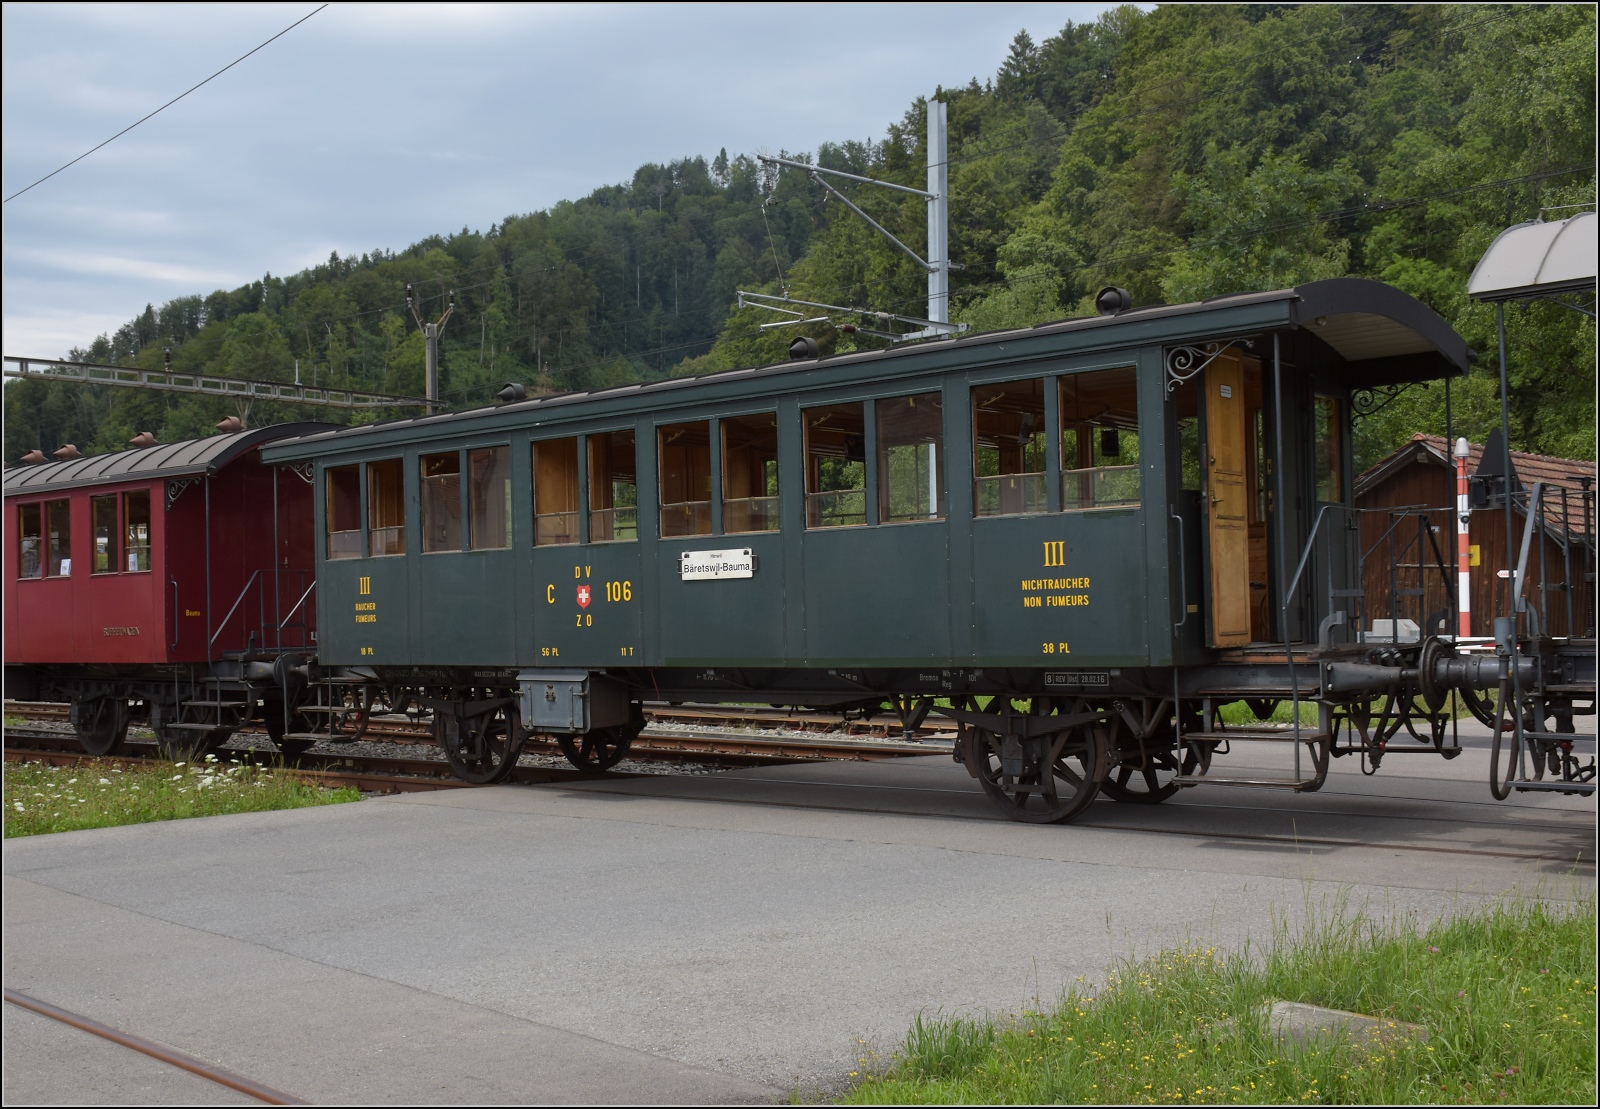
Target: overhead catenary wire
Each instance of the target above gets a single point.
(621, 248)
(167, 105)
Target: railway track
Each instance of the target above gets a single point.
(704, 736)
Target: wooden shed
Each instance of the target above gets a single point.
(1408, 537)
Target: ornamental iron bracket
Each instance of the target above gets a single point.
(1186, 362)
(1369, 402)
(305, 471)
(176, 486)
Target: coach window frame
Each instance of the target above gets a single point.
(367, 504)
(325, 489)
(869, 473)
(578, 511)
(113, 551)
(713, 460)
(39, 559)
(468, 520)
(586, 484)
(1049, 392)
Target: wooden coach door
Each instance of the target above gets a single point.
(1228, 523)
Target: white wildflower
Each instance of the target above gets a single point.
(105, 781)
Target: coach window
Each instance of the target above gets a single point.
(1330, 450)
(489, 497)
(555, 492)
(386, 507)
(750, 473)
(1099, 440)
(910, 444)
(613, 489)
(685, 478)
(136, 530)
(30, 545)
(103, 526)
(1008, 448)
(441, 502)
(836, 466)
(344, 512)
(58, 525)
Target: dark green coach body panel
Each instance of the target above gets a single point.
(1062, 589)
(729, 622)
(588, 601)
(468, 618)
(958, 591)
(877, 596)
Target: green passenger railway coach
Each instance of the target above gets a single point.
(1075, 540)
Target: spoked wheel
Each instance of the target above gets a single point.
(481, 749)
(601, 749)
(1148, 780)
(100, 723)
(1041, 779)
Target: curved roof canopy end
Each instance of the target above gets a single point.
(1535, 259)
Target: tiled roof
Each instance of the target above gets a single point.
(1435, 449)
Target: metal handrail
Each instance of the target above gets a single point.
(212, 642)
(309, 590)
(279, 625)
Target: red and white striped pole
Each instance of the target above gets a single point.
(1463, 551)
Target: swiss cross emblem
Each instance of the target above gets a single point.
(583, 596)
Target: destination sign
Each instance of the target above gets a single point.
(715, 565)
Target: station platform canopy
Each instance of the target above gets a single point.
(1538, 259)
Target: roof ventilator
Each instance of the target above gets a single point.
(1112, 300)
(804, 347)
(512, 393)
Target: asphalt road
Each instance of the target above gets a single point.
(729, 938)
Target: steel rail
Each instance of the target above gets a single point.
(165, 1054)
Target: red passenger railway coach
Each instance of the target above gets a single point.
(130, 578)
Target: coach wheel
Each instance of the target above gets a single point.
(602, 748)
(1041, 779)
(1148, 780)
(481, 749)
(100, 723)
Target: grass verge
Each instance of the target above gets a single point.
(1507, 994)
(41, 798)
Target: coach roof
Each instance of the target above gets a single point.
(185, 458)
(1384, 334)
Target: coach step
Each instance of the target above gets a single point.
(1284, 734)
(1293, 784)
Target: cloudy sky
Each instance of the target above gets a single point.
(374, 125)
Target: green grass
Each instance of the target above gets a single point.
(93, 794)
(1507, 994)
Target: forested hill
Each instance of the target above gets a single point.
(1182, 152)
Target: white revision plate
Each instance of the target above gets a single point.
(712, 565)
